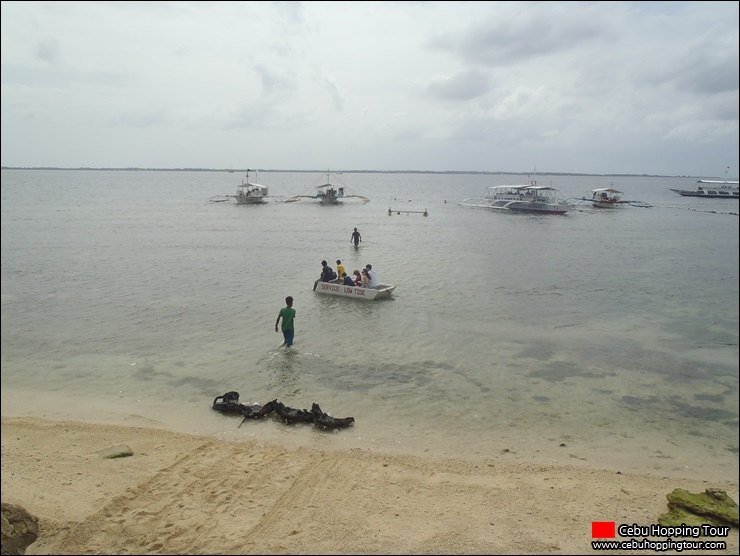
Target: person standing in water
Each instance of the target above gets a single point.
(287, 313)
(356, 238)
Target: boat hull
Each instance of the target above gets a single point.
(368, 294)
(539, 209)
(242, 200)
(708, 193)
(607, 204)
(517, 206)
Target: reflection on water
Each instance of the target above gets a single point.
(283, 369)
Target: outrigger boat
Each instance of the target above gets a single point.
(335, 287)
(607, 197)
(250, 193)
(329, 194)
(521, 198)
(715, 189)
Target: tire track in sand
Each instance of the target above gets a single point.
(189, 505)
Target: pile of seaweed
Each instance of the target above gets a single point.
(229, 403)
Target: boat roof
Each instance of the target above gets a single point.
(330, 186)
(252, 186)
(608, 190)
(535, 187)
(719, 181)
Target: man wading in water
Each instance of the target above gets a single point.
(356, 238)
(287, 313)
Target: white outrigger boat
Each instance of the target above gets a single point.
(335, 287)
(606, 198)
(714, 189)
(329, 194)
(521, 198)
(250, 193)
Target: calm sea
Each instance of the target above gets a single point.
(599, 338)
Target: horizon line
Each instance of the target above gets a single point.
(242, 170)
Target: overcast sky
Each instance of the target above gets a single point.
(583, 87)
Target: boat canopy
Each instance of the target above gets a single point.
(607, 190)
(512, 188)
(253, 187)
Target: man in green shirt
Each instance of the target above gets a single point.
(288, 315)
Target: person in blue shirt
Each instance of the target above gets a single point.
(347, 281)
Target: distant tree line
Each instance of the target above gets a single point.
(232, 170)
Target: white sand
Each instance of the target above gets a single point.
(182, 494)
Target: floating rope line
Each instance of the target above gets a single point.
(683, 207)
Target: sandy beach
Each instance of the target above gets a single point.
(183, 494)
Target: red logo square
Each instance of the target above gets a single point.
(603, 529)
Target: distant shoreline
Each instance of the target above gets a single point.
(241, 171)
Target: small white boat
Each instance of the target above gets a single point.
(714, 189)
(329, 193)
(607, 197)
(335, 287)
(250, 193)
(521, 198)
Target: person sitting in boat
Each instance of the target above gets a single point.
(346, 280)
(365, 279)
(327, 274)
(358, 277)
(373, 277)
(340, 269)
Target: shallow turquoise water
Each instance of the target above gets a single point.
(600, 338)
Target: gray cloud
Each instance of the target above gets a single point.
(48, 51)
(627, 87)
(461, 86)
